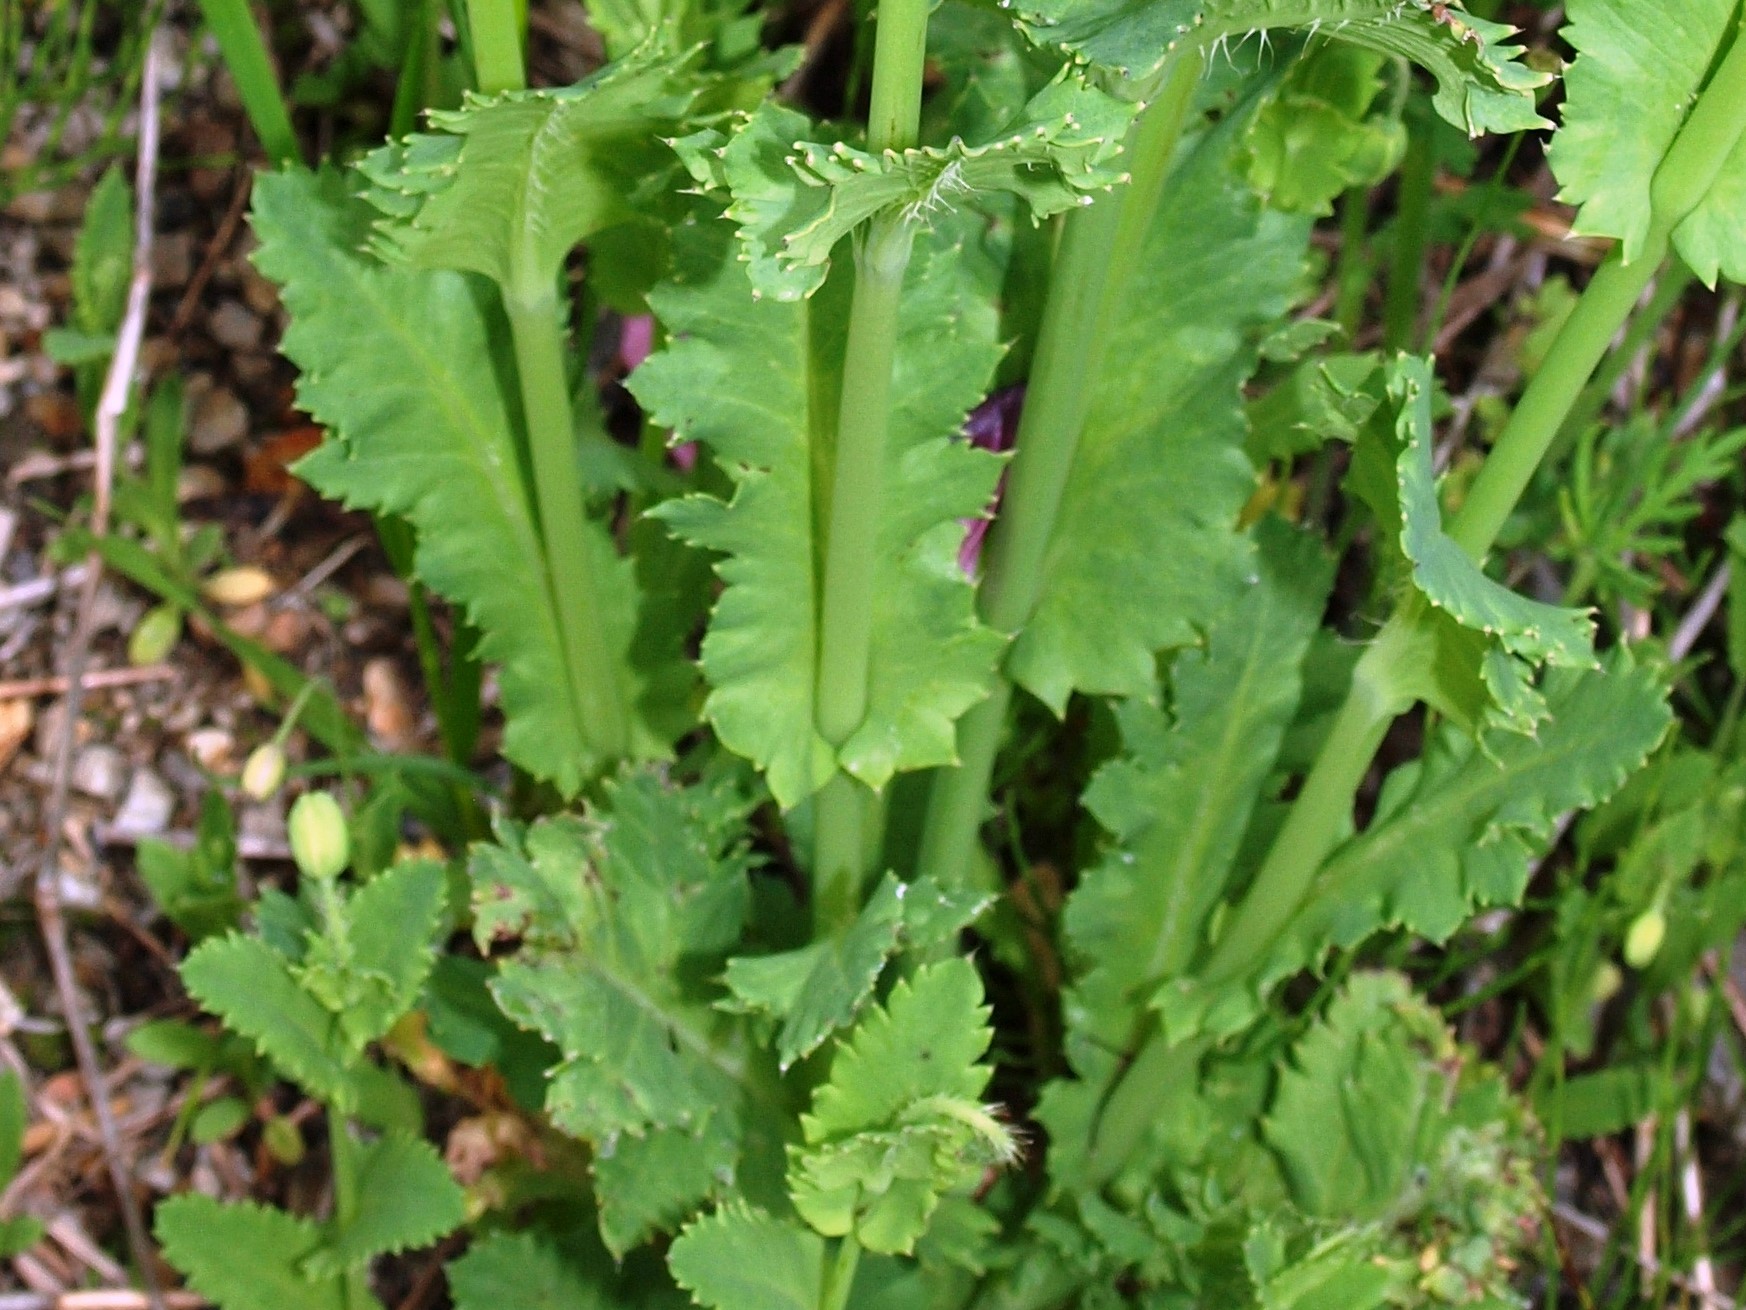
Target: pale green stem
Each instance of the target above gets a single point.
(1099, 247)
(856, 492)
(343, 1151)
(840, 1274)
(536, 329)
(498, 61)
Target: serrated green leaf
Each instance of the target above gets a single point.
(405, 1197)
(369, 968)
(1145, 550)
(795, 199)
(1317, 136)
(1480, 85)
(820, 988)
(738, 1258)
(1639, 67)
(1472, 653)
(103, 257)
(757, 380)
(1348, 1117)
(507, 185)
(246, 1256)
(252, 988)
(626, 914)
(430, 439)
(1179, 799)
(1458, 831)
(899, 1122)
(516, 1271)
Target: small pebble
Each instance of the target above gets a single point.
(220, 421)
(148, 806)
(235, 326)
(99, 770)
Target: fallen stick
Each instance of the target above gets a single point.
(95, 679)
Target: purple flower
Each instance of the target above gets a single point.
(992, 425)
(636, 338)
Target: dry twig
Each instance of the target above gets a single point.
(94, 679)
(111, 406)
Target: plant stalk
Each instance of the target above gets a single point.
(232, 25)
(857, 474)
(534, 321)
(1099, 247)
(840, 1274)
(498, 61)
(343, 1150)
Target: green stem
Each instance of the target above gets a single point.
(535, 327)
(1644, 324)
(1099, 247)
(1684, 178)
(1400, 311)
(1352, 278)
(1323, 809)
(495, 30)
(251, 67)
(840, 1276)
(345, 1203)
(856, 491)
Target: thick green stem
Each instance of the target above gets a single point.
(1323, 808)
(1400, 310)
(535, 327)
(856, 491)
(1668, 293)
(840, 1275)
(1099, 247)
(343, 1151)
(498, 61)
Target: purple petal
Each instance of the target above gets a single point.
(992, 425)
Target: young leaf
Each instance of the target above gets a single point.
(1639, 67)
(1459, 830)
(252, 988)
(397, 364)
(1145, 550)
(103, 256)
(738, 1258)
(1179, 799)
(1482, 638)
(624, 913)
(507, 186)
(900, 1120)
(369, 969)
(757, 380)
(1480, 85)
(819, 988)
(1348, 1118)
(796, 199)
(246, 1256)
(405, 1198)
(516, 1271)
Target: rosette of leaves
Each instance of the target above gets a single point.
(898, 1126)
(325, 975)
(1638, 71)
(1370, 1162)
(1481, 84)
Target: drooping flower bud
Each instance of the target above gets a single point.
(263, 771)
(154, 636)
(1643, 938)
(319, 841)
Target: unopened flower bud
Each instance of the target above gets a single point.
(1606, 982)
(1643, 938)
(319, 841)
(264, 771)
(154, 636)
